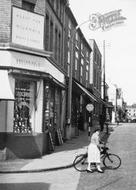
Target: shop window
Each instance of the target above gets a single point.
(46, 124)
(24, 106)
(52, 107)
(49, 97)
(57, 108)
(52, 99)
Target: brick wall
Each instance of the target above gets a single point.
(40, 7)
(5, 16)
(5, 12)
(17, 3)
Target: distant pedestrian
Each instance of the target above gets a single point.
(107, 122)
(117, 119)
(94, 152)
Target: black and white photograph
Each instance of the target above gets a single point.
(67, 95)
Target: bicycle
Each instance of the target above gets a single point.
(109, 160)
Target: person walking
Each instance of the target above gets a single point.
(94, 152)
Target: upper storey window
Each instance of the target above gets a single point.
(52, 2)
(28, 5)
(57, 5)
(77, 40)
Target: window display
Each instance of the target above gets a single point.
(24, 106)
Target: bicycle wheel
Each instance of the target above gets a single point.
(80, 163)
(112, 161)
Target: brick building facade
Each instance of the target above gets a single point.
(35, 63)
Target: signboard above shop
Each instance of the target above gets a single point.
(27, 28)
(30, 62)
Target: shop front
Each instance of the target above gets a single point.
(29, 123)
(52, 112)
(80, 98)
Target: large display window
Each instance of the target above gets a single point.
(24, 106)
(52, 107)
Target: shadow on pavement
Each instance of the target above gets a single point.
(24, 186)
(74, 143)
(80, 141)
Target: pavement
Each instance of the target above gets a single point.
(61, 158)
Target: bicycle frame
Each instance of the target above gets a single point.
(109, 160)
(104, 152)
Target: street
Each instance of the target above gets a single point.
(122, 142)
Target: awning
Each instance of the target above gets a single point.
(107, 104)
(86, 91)
(5, 88)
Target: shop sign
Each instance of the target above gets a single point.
(89, 107)
(30, 62)
(27, 28)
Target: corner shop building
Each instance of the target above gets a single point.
(31, 103)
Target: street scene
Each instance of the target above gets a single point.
(119, 142)
(67, 98)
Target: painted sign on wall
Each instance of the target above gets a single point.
(27, 28)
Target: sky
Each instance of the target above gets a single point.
(120, 41)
